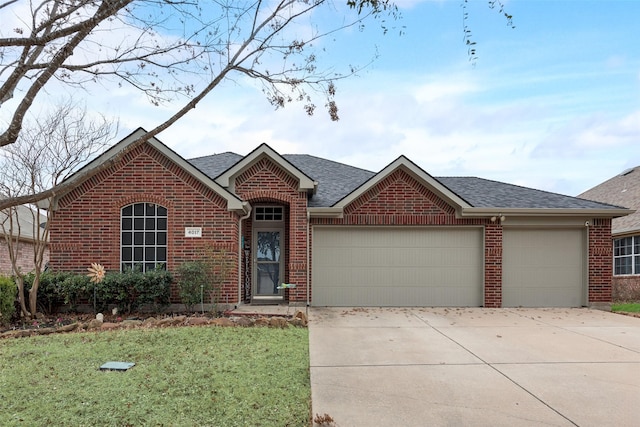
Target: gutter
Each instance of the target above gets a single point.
(548, 212)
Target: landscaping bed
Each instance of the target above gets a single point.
(65, 323)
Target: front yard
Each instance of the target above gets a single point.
(207, 376)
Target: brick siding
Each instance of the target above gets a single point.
(25, 257)
(266, 183)
(86, 226)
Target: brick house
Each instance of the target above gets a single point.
(623, 190)
(343, 236)
(22, 231)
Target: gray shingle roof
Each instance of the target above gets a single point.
(485, 193)
(337, 180)
(622, 190)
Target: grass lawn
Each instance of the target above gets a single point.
(204, 376)
(629, 307)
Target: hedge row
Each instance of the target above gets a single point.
(128, 291)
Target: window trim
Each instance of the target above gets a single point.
(633, 256)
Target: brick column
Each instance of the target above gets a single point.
(493, 265)
(600, 261)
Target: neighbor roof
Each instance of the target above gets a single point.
(337, 180)
(622, 190)
(22, 225)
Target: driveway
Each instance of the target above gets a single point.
(474, 367)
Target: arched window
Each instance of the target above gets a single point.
(143, 242)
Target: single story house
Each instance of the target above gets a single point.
(343, 236)
(623, 190)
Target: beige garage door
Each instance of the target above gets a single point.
(543, 268)
(397, 267)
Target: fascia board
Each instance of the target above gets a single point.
(600, 213)
(305, 183)
(233, 202)
(325, 212)
(418, 173)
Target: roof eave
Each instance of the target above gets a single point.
(418, 173)
(305, 183)
(331, 212)
(548, 212)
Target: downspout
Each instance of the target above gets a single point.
(308, 268)
(242, 218)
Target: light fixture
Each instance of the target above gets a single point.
(500, 217)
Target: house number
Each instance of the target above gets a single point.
(193, 232)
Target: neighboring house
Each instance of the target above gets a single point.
(343, 236)
(623, 190)
(21, 230)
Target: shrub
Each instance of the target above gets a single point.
(192, 283)
(51, 292)
(131, 289)
(155, 289)
(8, 292)
(75, 288)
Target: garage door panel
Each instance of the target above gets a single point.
(397, 266)
(543, 268)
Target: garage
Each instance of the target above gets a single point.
(543, 267)
(397, 266)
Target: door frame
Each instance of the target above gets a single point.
(262, 226)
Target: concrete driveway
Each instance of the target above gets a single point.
(474, 367)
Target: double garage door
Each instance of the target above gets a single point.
(440, 267)
(398, 267)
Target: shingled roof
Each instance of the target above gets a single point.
(622, 190)
(337, 180)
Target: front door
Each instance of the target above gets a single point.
(268, 263)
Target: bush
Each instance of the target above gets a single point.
(8, 293)
(51, 292)
(74, 288)
(192, 283)
(131, 289)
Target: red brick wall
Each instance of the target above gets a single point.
(86, 227)
(600, 261)
(25, 257)
(265, 181)
(493, 265)
(400, 200)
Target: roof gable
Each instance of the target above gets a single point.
(228, 177)
(110, 155)
(414, 171)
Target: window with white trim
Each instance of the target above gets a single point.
(143, 241)
(626, 255)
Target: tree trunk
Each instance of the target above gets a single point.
(23, 306)
(33, 295)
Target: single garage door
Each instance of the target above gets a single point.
(543, 268)
(397, 267)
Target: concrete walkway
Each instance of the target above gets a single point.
(474, 367)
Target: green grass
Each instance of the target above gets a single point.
(205, 376)
(629, 307)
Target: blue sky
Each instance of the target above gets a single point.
(553, 104)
